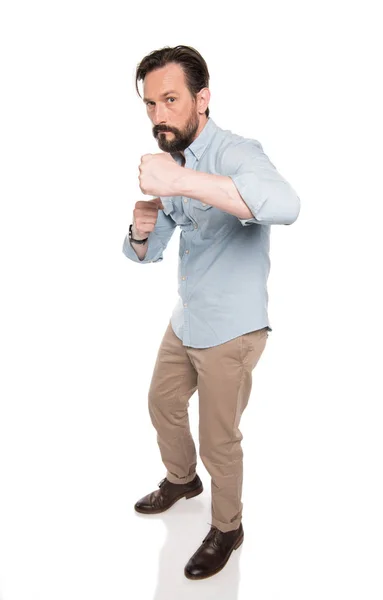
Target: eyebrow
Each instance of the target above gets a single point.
(164, 94)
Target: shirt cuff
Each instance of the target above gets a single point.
(246, 183)
(154, 252)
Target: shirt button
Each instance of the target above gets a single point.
(183, 277)
(195, 226)
(185, 199)
(203, 204)
(186, 251)
(185, 304)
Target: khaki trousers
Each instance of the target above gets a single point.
(223, 376)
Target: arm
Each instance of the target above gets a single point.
(250, 188)
(157, 241)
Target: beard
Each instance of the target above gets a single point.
(178, 140)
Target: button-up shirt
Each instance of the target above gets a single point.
(224, 261)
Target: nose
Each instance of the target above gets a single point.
(159, 116)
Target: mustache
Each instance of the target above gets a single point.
(160, 130)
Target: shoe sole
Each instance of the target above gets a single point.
(237, 545)
(186, 495)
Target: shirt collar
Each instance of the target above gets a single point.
(198, 146)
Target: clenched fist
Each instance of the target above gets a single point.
(145, 216)
(159, 174)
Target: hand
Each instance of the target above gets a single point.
(145, 215)
(158, 174)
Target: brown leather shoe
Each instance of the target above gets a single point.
(214, 553)
(162, 499)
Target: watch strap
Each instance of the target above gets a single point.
(131, 238)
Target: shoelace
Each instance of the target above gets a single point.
(213, 534)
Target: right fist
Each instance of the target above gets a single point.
(145, 216)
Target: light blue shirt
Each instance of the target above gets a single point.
(224, 261)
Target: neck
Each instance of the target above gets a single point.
(201, 125)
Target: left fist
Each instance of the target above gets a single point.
(158, 174)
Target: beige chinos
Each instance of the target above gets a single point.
(223, 376)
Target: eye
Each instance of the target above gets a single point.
(170, 98)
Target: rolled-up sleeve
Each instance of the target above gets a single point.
(157, 241)
(269, 197)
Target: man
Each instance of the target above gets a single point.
(224, 194)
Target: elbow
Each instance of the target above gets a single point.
(293, 209)
(280, 209)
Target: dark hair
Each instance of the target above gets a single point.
(191, 61)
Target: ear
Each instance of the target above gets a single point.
(203, 99)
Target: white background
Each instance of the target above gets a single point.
(81, 324)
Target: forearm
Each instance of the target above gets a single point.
(140, 249)
(272, 200)
(217, 190)
(152, 250)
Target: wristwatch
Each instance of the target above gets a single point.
(132, 239)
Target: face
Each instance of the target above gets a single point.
(177, 117)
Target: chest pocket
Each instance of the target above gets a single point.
(200, 210)
(173, 208)
(201, 205)
(211, 220)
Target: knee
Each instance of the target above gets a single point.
(218, 451)
(158, 406)
(153, 404)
